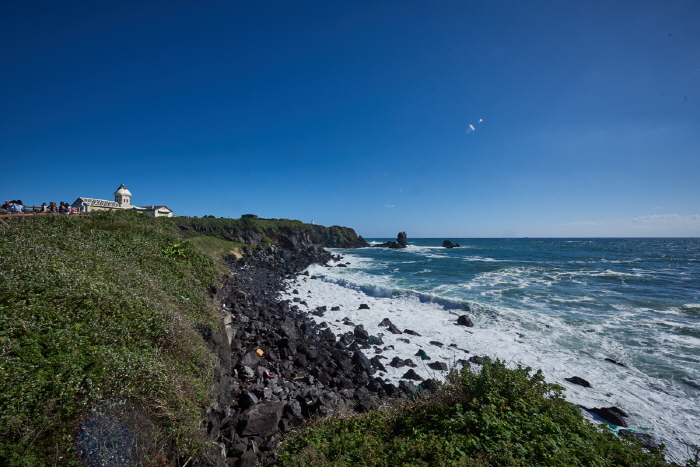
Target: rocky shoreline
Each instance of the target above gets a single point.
(280, 366)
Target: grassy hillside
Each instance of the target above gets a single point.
(97, 332)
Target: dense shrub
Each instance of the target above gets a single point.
(498, 417)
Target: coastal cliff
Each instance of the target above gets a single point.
(122, 344)
(289, 235)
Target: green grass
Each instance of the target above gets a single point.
(499, 417)
(217, 248)
(97, 314)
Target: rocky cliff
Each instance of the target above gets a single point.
(289, 235)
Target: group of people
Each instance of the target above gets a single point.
(14, 206)
(17, 207)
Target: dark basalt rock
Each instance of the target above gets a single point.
(409, 331)
(261, 419)
(401, 239)
(613, 361)
(392, 328)
(363, 306)
(645, 439)
(612, 415)
(410, 374)
(440, 366)
(579, 381)
(305, 370)
(399, 243)
(479, 360)
(464, 320)
(448, 244)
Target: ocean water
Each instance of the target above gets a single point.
(559, 305)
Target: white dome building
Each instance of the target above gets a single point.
(122, 196)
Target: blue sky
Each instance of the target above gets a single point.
(356, 113)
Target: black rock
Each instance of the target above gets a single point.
(447, 244)
(397, 362)
(464, 320)
(612, 415)
(480, 360)
(409, 331)
(401, 239)
(613, 361)
(439, 344)
(261, 419)
(440, 366)
(400, 243)
(410, 374)
(644, 438)
(579, 381)
(408, 387)
(362, 362)
(361, 333)
(363, 306)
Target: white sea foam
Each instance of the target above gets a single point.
(657, 405)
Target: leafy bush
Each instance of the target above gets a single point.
(98, 313)
(498, 417)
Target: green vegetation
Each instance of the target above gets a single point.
(499, 417)
(97, 323)
(215, 247)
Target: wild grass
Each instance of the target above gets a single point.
(97, 314)
(217, 248)
(497, 417)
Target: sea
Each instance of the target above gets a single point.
(568, 307)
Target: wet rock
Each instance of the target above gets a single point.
(480, 360)
(410, 374)
(613, 361)
(440, 366)
(579, 381)
(464, 320)
(612, 415)
(423, 356)
(361, 333)
(646, 440)
(411, 332)
(363, 306)
(407, 387)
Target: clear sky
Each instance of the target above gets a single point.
(357, 113)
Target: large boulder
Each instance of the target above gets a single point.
(448, 244)
(464, 320)
(261, 419)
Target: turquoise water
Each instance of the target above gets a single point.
(566, 305)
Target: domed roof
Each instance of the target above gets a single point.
(122, 190)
